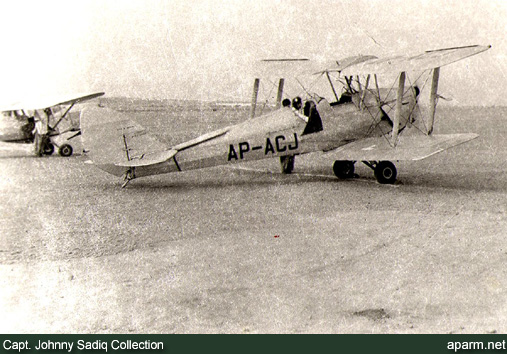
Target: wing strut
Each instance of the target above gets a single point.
(64, 115)
(363, 95)
(332, 86)
(433, 99)
(399, 102)
(254, 97)
(280, 93)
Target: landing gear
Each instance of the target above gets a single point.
(384, 171)
(65, 150)
(343, 169)
(287, 163)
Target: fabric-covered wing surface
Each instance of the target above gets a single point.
(49, 101)
(416, 147)
(428, 60)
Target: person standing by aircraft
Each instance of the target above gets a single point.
(287, 162)
(42, 144)
(297, 104)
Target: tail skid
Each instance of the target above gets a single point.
(129, 176)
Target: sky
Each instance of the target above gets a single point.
(205, 49)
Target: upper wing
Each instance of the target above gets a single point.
(50, 101)
(365, 64)
(294, 67)
(427, 60)
(342, 64)
(285, 68)
(416, 147)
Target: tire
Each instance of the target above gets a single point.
(343, 169)
(385, 172)
(287, 163)
(65, 150)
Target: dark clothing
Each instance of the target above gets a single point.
(314, 121)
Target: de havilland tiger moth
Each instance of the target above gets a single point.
(364, 122)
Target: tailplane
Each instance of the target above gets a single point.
(113, 142)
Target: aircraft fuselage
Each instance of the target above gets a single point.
(276, 134)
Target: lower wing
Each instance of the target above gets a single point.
(414, 148)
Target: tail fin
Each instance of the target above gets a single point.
(112, 141)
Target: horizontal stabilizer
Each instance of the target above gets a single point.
(149, 159)
(283, 67)
(201, 139)
(112, 139)
(416, 147)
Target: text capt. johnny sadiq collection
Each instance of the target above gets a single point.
(83, 345)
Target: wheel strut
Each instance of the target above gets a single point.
(371, 164)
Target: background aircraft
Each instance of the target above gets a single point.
(365, 122)
(46, 123)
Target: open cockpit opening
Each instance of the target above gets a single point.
(344, 98)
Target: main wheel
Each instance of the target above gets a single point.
(287, 163)
(343, 169)
(385, 172)
(65, 150)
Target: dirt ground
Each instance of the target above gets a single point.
(245, 249)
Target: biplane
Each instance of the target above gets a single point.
(363, 122)
(41, 122)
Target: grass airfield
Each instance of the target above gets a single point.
(245, 249)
